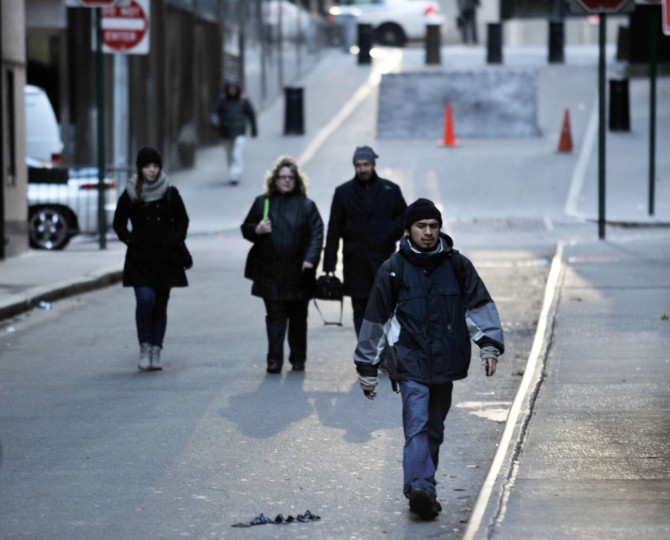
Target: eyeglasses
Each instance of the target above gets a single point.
(286, 177)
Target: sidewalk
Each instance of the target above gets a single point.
(588, 452)
(587, 456)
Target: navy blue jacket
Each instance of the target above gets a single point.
(437, 312)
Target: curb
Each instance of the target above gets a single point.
(58, 291)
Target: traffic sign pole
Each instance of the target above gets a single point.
(653, 60)
(100, 84)
(602, 33)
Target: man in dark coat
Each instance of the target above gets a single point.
(427, 303)
(367, 213)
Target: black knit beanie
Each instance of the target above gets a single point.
(421, 209)
(146, 155)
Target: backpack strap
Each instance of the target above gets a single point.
(396, 270)
(456, 261)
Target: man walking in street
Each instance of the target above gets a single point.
(367, 214)
(426, 304)
(230, 116)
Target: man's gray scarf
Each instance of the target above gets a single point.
(149, 192)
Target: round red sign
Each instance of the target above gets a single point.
(124, 27)
(98, 3)
(602, 6)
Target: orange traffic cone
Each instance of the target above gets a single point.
(449, 133)
(565, 143)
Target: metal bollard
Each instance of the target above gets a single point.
(494, 43)
(294, 118)
(619, 119)
(556, 42)
(433, 44)
(364, 43)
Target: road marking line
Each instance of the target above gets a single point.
(579, 173)
(482, 502)
(387, 65)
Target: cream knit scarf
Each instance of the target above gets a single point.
(147, 192)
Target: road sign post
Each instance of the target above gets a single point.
(100, 91)
(601, 8)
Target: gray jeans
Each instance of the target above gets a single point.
(234, 149)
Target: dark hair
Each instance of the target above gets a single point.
(301, 181)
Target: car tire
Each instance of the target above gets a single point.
(50, 227)
(390, 35)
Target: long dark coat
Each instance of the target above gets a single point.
(369, 231)
(275, 262)
(152, 258)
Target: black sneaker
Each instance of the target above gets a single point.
(299, 366)
(420, 502)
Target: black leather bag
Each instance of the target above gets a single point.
(329, 287)
(185, 256)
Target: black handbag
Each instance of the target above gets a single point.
(329, 287)
(185, 256)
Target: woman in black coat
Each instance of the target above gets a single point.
(153, 264)
(287, 231)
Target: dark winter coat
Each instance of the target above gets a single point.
(233, 115)
(158, 227)
(438, 313)
(275, 260)
(369, 218)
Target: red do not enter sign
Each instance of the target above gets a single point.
(125, 28)
(602, 6)
(98, 3)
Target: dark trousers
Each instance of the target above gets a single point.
(468, 25)
(358, 305)
(278, 317)
(151, 314)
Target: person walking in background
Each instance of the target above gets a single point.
(367, 213)
(427, 303)
(231, 115)
(467, 20)
(287, 232)
(153, 265)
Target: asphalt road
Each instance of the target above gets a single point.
(93, 448)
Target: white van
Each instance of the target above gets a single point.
(43, 140)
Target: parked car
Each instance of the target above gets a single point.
(43, 140)
(394, 22)
(63, 202)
